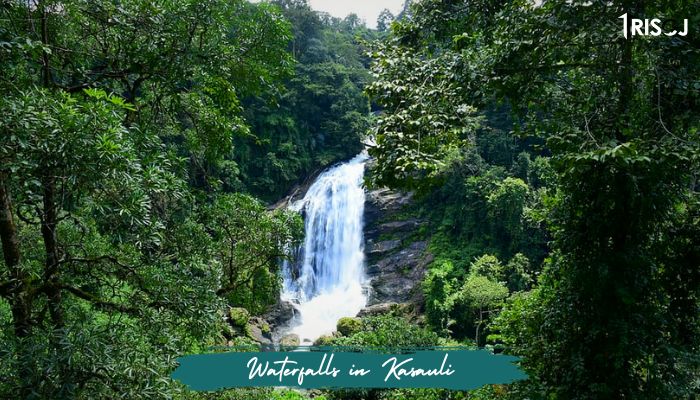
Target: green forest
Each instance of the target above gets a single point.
(555, 162)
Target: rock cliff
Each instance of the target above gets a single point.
(396, 257)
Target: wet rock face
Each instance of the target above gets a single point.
(259, 330)
(280, 314)
(400, 274)
(396, 259)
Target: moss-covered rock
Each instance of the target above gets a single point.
(290, 340)
(324, 340)
(230, 332)
(238, 316)
(259, 330)
(347, 326)
(265, 328)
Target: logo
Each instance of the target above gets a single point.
(648, 27)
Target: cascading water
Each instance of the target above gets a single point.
(326, 280)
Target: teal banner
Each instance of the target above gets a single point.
(310, 368)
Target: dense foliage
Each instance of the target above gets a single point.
(615, 312)
(121, 245)
(321, 114)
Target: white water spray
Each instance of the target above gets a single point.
(326, 281)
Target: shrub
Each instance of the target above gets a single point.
(389, 332)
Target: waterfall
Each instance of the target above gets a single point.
(326, 280)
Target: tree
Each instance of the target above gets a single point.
(151, 56)
(89, 192)
(384, 20)
(479, 297)
(320, 117)
(249, 244)
(489, 267)
(305, 22)
(518, 271)
(439, 287)
(108, 112)
(614, 115)
(506, 204)
(428, 118)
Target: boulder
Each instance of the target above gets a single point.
(384, 309)
(280, 314)
(290, 340)
(347, 326)
(259, 330)
(238, 316)
(324, 340)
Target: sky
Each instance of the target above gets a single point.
(368, 10)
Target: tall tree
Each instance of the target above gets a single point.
(384, 20)
(108, 111)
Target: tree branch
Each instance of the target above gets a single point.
(98, 302)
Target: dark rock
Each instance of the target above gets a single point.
(409, 225)
(373, 270)
(389, 200)
(382, 203)
(259, 330)
(384, 247)
(396, 262)
(376, 309)
(280, 314)
(297, 192)
(400, 274)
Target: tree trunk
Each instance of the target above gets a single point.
(48, 233)
(17, 294)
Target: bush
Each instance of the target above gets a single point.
(389, 332)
